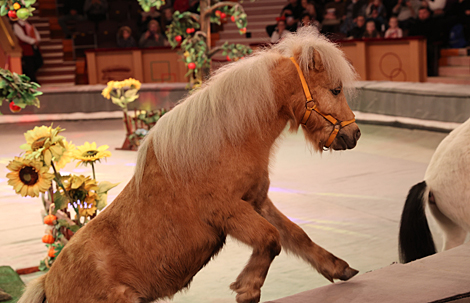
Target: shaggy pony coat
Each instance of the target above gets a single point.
(203, 174)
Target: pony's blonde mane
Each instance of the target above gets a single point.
(307, 39)
(236, 98)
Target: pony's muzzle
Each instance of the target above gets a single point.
(347, 138)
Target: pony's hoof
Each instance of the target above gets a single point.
(251, 296)
(348, 274)
(246, 294)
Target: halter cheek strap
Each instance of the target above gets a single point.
(337, 125)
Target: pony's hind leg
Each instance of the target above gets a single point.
(247, 226)
(294, 239)
(454, 235)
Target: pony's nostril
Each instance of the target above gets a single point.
(358, 134)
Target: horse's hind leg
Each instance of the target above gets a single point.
(294, 239)
(249, 227)
(454, 235)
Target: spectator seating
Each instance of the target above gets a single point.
(118, 10)
(84, 37)
(106, 35)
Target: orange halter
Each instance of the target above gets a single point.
(337, 125)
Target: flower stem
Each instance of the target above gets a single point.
(93, 169)
(58, 178)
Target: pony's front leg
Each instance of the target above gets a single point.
(294, 239)
(247, 226)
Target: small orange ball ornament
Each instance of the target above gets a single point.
(51, 252)
(16, 6)
(48, 239)
(49, 219)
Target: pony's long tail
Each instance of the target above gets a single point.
(34, 292)
(415, 240)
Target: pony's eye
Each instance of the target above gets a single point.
(336, 91)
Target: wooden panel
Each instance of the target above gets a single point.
(114, 66)
(356, 54)
(80, 67)
(162, 66)
(388, 60)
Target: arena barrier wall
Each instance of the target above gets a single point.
(413, 105)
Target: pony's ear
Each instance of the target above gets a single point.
(316, 63)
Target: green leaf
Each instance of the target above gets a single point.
(4, 10)
(42, 266)
(130, 93)
(60, 201)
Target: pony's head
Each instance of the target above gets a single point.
(321, 77)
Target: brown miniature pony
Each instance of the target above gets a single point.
(203, 174)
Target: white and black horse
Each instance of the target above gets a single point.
(446, 190)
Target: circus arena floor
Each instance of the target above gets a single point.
(348, 202)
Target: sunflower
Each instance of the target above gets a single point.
(67, 156)
(29, 177)
(79, 187)
(44, 142)
(88, 207)
(89, 153)
(132, 82)
(107, 90)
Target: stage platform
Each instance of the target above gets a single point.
(440, 278)
(429, 106)
(348, 202)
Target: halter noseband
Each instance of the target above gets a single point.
(337, 125)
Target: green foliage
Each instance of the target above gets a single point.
(61, 201)
(234, 13)
(18, 89)
(147, 4)
(180, 25)
(24, 11)
(64, 223)
(196, 53)
(235, 51)
(42, 265)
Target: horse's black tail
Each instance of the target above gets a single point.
(415, 240)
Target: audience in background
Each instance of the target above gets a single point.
(376, 12)
(427, 27)
(292, 13)
(167, 17)
(153, 36)
(335, 18)
(73, 10)
(96, 10)
(152, 14)
(354, 8)
(393, 30)
(280, 32)
(405, 11)
(334, 13)
(371, 31)
(124, 37)
(359, 28)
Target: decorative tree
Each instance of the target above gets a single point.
(18, 90)
(192, 32)
(15, 9)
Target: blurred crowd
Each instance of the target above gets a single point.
(444, 23)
